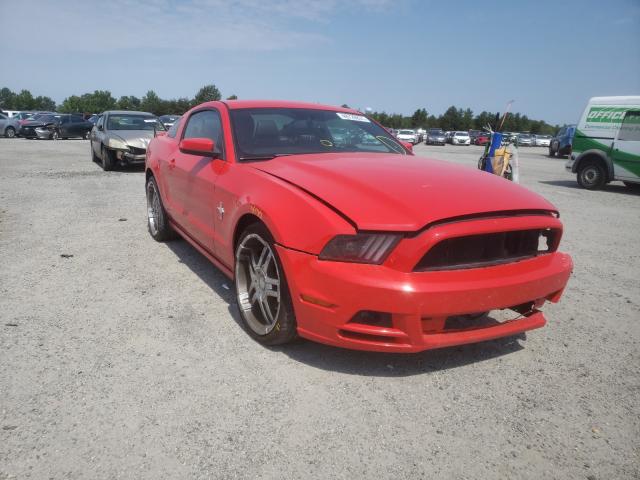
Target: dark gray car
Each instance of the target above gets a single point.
(120, 136)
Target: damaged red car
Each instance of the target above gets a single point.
(334, 231)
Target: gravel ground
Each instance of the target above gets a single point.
(123, 358)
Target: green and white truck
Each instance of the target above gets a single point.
(606, 145)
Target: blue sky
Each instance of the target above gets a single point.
(392, 55)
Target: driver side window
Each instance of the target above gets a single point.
(206, 124)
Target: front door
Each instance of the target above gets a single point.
(626, 148)
(193, 179)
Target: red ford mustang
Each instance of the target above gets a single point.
(334, 231)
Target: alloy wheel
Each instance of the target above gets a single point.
(154, 209)
(258, 283)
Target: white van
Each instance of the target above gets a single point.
(606, 145)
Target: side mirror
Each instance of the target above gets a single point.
(198, 146)
(408, 146)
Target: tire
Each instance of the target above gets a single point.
(262, 293)
(94, 157)
(552, 152)
(86, 135)
(591, 175)
(10, 132)
(107, 160)
(157, 220)
(55, 135)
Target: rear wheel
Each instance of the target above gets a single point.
(10, 132)
(591, 175)
(261, 288)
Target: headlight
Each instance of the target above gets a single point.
(360, 248)
(117, 144)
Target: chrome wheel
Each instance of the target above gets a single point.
(257, 284)
(154, 209)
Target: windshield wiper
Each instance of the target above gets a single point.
(264, 157)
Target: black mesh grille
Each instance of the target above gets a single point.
(137, 151)
(475, 251)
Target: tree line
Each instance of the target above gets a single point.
(464, 119)
(100, 100)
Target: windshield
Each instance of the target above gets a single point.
(406, 132)
(269, 132)
(462, 134)
(126, 121)
(168, 118)
(436, 132)
(45, 118)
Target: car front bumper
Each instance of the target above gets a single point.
(130, 158)
(327, 296)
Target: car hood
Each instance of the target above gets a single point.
(400, 193)
(36, 124)
(133, 138)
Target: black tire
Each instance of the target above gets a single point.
(591, 175)
(157, 220)
(255, 282)
(552, 152)
(55, 135)
(108, 163)
(86, 135)
(94, 157)
(10, 132)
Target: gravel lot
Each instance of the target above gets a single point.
(126, 360)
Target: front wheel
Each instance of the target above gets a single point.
(591, 176)
(261, 288)
(10, 132)
(107, 160)
(55, 135)
(157, 221)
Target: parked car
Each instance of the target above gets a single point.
(408, 136)
(606, 145)
(473, 134)
(9, 127)
(168, 120)
(560, 144)
(93, 119)
(541, 140)
(56, 126)
(435, 136)
(122, 136)
(524, 139)
(482, 138)
(369, 248)
(460, 138)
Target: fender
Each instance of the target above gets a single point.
(594, 152)
(296, 219)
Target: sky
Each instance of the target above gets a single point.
(388, 55)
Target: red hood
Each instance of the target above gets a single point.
(400, 193)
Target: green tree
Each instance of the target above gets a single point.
(419, 118)
(44, 103)
(450, 120)
(466, 119)
(151, 102)
(24, 100)
(7, 99)
(208, 93)
(128, 103)
(232, 97)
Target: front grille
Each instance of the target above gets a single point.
(484, 250)
(137, 151)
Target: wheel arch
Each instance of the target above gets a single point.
(594, 155)
(242, 224)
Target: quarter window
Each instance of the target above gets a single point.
(174, 129)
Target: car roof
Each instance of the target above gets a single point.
(132, 112)
(238, 104)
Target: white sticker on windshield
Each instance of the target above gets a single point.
(353, 118)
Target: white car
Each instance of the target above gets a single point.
(461, 138)
(542, 140)
(408, 136)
